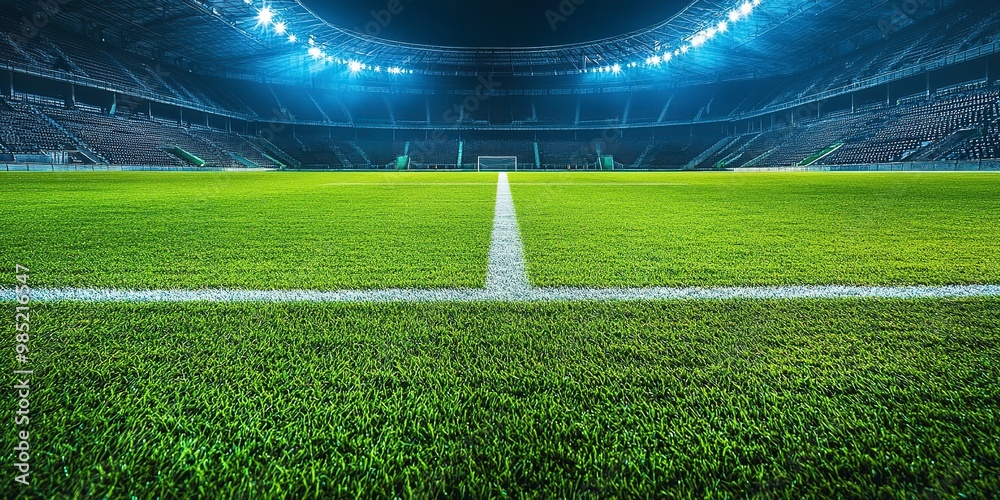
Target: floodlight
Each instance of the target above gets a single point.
(746, 9)
(685, 49)
(315, 52)
(698, 40)
(667, 56)
(395, 71)
(616, 68)
(354, 66)
(265, 15)
(734, 15)
(292, 39)
(722, 27)
(280, 27)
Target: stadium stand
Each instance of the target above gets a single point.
(27, 131)
(922, 92)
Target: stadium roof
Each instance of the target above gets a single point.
(507, 23)
(242, 36)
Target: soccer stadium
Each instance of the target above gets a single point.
(553, 249)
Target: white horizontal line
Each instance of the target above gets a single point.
(518, 183)
(405, 184)
(522, 295)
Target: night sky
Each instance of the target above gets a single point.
(483, 23)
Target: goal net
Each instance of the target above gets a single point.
(498, 163)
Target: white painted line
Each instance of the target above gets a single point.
(509, 296)
(505, 272)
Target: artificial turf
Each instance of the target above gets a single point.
(266, 231)
(792, 399)
(725, 229)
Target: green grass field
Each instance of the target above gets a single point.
(855, 398)
(388, 230)
(696, 398)
(654, 229)
(254, 231)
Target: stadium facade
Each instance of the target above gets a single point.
(809, 84)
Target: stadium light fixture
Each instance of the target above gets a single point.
(354, 66)
(315, 52)
(280, 27)
(616, 69)
(395, 70)
(264, 16)
(292, 39)
(700, 38)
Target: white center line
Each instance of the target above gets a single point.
(505, 273)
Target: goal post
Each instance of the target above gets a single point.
(496, 163)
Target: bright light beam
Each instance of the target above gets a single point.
(264, 16)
